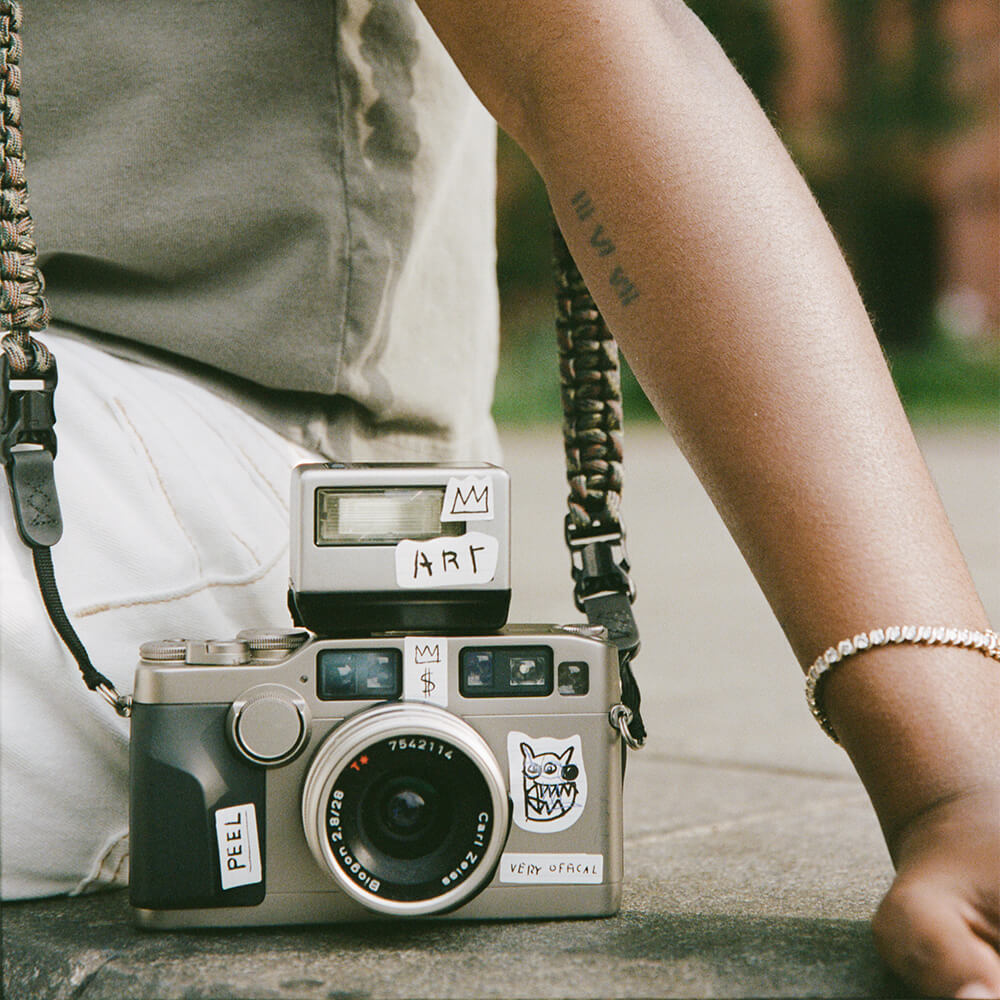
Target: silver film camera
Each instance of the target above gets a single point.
(288, 777)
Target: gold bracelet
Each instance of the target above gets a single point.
(986, 642)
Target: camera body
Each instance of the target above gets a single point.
(417, 757)
(337, 779)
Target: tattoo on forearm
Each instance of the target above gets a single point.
(604, 246)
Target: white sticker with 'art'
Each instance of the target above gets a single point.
(239, 846)
(469, 499)
(425, 669)
(548, 782)
(461, 560)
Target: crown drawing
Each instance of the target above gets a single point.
(427, 654)
(473, 500)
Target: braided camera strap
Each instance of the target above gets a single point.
(592, 433)
(23, 309)
(27, 368)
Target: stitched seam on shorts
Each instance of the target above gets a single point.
(281, 499)
(250, 551)
(163, 489)
(270, 491)
(179, 595)
(122, 858)
(94, 880)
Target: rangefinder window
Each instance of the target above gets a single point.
(380, 516)
(359, 674)
(506, 672)
(574, 678)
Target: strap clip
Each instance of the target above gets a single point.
(26, 410)
(600, 563)
(28, 449)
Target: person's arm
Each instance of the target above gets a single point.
(729, 296)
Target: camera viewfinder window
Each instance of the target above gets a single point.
(527, 671)
(506, 671)
(478, 669)
(380, 516)
(574, 678)
(359, 674)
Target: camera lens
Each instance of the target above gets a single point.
(407, 808)
(404, 816)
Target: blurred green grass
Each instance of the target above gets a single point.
(939, 384)
(942, 383)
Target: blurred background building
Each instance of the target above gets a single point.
(891, 108)
(895, 104)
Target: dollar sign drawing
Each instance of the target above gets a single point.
(429, 685)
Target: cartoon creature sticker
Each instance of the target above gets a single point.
(548, 782)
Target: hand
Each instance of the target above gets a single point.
(939, 924)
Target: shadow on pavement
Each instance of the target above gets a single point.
(86, 948)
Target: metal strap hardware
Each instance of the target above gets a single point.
(599, 562)
(592, 432)
(620, 718)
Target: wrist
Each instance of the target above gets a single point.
(919, 724)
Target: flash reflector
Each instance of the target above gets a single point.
(380, 517)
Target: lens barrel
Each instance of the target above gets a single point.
(406, 806)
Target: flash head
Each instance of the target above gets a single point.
(399, 547)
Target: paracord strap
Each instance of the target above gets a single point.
(592, 433)
(23, 309)
(28, 373)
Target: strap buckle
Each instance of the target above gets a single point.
(600, 563)
(26, 410)
(28, 449)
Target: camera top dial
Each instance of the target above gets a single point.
(269, 724)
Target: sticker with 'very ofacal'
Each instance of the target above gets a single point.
(551, 869)
(548, 781)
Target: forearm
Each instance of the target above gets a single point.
(738, 314)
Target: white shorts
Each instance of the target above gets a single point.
(175, 506)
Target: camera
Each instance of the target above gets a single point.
(373, 770)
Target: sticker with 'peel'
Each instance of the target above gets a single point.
(239, 846)
(463, 560)
(425, 669)
(551, 869)
(469, 499)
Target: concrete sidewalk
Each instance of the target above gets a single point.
(753, 861)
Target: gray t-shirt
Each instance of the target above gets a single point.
(291, 201)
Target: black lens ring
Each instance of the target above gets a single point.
(323, 803)
(427, 867)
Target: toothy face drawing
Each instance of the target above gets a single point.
(547, 781)
(549, 784)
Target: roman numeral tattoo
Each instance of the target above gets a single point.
(604, 246)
